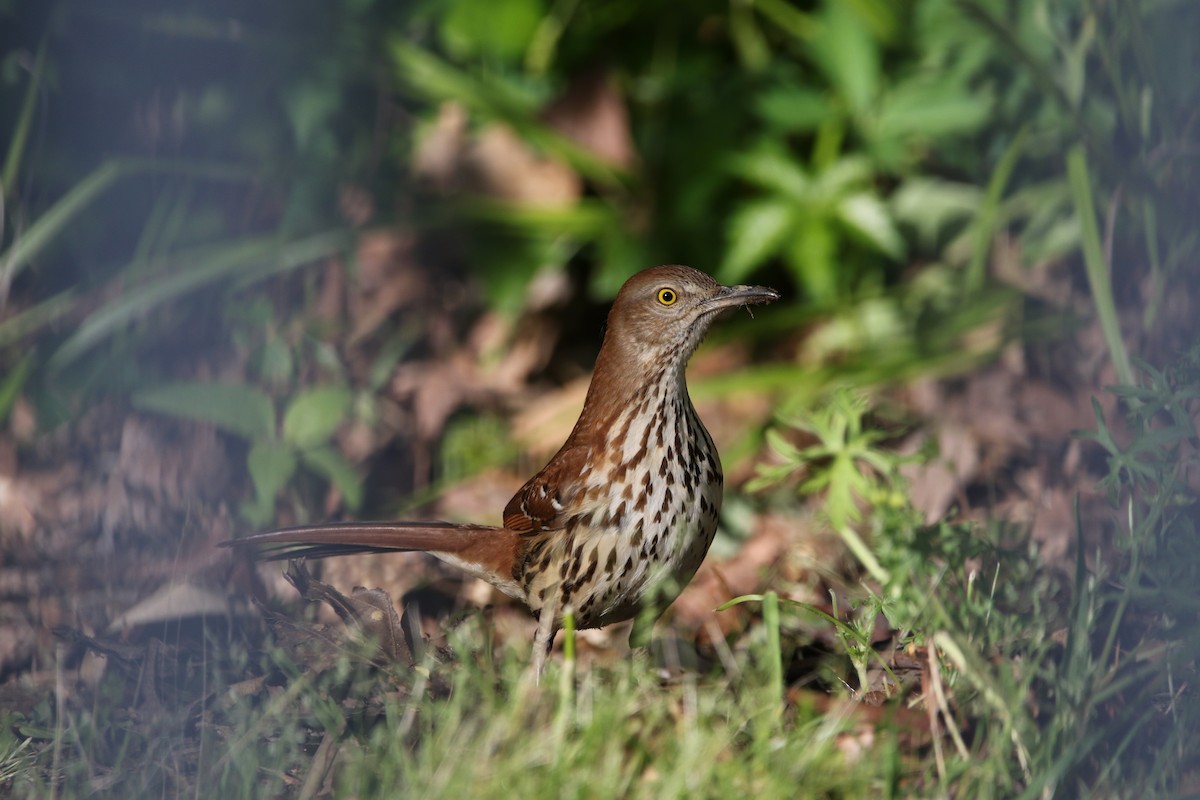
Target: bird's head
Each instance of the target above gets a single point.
(664, 312)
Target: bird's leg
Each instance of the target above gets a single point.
(643, 626)
(543, 639)
(653, 607)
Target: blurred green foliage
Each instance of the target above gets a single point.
(170, 170)
(163, 160)
(168, 167)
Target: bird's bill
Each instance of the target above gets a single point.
(731, 296)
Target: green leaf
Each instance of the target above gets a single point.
(271, 465)
(329, 463)
(810, 255)
(276, 363)
(933, 206)
(314, 414)
(233, 408)
(930, 110)
(867, 216)
(502, 28)
(775, 170)
(749, 42)
(848, 55)
(783, 447)
(757, 231)
(793, 109)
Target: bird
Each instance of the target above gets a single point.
(621, 517)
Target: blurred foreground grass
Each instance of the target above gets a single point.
(928, 181)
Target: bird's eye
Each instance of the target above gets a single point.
(667, 297)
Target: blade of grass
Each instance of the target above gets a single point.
(55, 219)
(774, 652)
(863, 553)
(1150, 232)
(241, 410)
(566, 680)
(12, 383)
(974, 669)
(22, 324)
(989, 211)
(16, 148)
(1093, 257)
(251, 258)
(542, 47)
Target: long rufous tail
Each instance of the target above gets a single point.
(481, 543)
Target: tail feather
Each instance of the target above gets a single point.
(349, 538)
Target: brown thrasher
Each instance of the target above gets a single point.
(624, 513)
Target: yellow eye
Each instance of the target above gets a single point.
(667, 297)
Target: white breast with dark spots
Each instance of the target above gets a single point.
(649, 514)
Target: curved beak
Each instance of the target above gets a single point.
(730, 296)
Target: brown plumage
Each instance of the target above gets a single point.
(625, 512)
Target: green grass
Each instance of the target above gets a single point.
(474, 727)
(1039, 685)
(619, 733)
(889, 150)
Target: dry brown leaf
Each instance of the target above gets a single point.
(386, 279)
(934, 485)
(592, 112)
(747, 572)
(501, 165)
(545, 422)
(438, 155)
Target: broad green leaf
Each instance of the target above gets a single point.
(329, 463)
(774, 170)
(271, 465)
(502, 28)
(783, 447)
(749, 42)
(276, 363)
(757, 231)
(847, 174)
(931, 206)
(848, 55)
(930, 110)
(878, 15)
(240, 410)
(867, 216)
(786, 17)
(793, 109)
(314, 414)
(811, 257)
